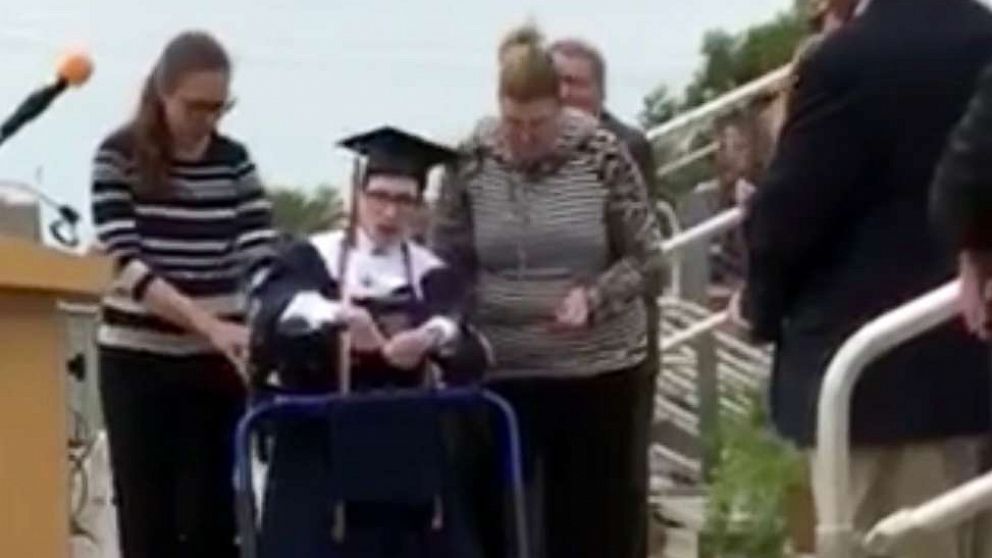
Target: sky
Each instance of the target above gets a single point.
(309, 72)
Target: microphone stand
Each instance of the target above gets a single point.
(64, 228)
(73, 71)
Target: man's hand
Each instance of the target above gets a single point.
(735, 313)
(975, 302)
(743, 190)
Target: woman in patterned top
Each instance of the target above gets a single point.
(551, 220)
(181, 211)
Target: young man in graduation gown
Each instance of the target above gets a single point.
(383, 482)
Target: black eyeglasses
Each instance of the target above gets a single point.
(386, 198)
(203, 106)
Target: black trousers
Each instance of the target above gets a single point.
(584, 448)
(170, 423)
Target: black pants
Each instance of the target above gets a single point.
(583, 445)
(170, 423)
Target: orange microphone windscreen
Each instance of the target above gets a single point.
(75, 68)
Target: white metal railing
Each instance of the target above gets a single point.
(686, 160)
(703, 231)
(943, 512)
(673, 249)
(743, 93)
(687, 312)
(835, 531)
(695, 330)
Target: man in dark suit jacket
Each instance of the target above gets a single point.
(582, 71)
(838, 234)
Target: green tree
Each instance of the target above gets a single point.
(731, 60)
(298, 212)
(659, 107)
(719, 69)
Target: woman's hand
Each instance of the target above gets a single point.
(231, 340)
(408, 349)
(573, 312)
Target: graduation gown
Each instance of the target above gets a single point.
(388, 488)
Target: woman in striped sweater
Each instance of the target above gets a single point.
(552, 218)
(181, 211)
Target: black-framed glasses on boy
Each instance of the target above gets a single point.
(386, 198)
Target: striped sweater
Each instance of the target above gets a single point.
(528, 235)
(207, 236)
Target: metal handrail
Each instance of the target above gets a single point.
(695, 330)
(684, 161)
(707, 229)
(673, 249)
(769, 81)
(944, 511)
(835, 532)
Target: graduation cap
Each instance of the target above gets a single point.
(389, 150)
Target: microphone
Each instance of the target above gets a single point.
(73, 70)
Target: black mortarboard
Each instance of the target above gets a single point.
(389, 150)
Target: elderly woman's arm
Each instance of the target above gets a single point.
(634, 236)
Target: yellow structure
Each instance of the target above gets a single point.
(34, 481)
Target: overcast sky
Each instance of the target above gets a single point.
(310, 71)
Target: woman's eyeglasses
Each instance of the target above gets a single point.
(208, 107)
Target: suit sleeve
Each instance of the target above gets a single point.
(961, 197)
(806, 193)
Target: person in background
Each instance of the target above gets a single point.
(180, 210)
(582, 73)
(550, 217)
(711, 272)
(582, 70)
(837, 234)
